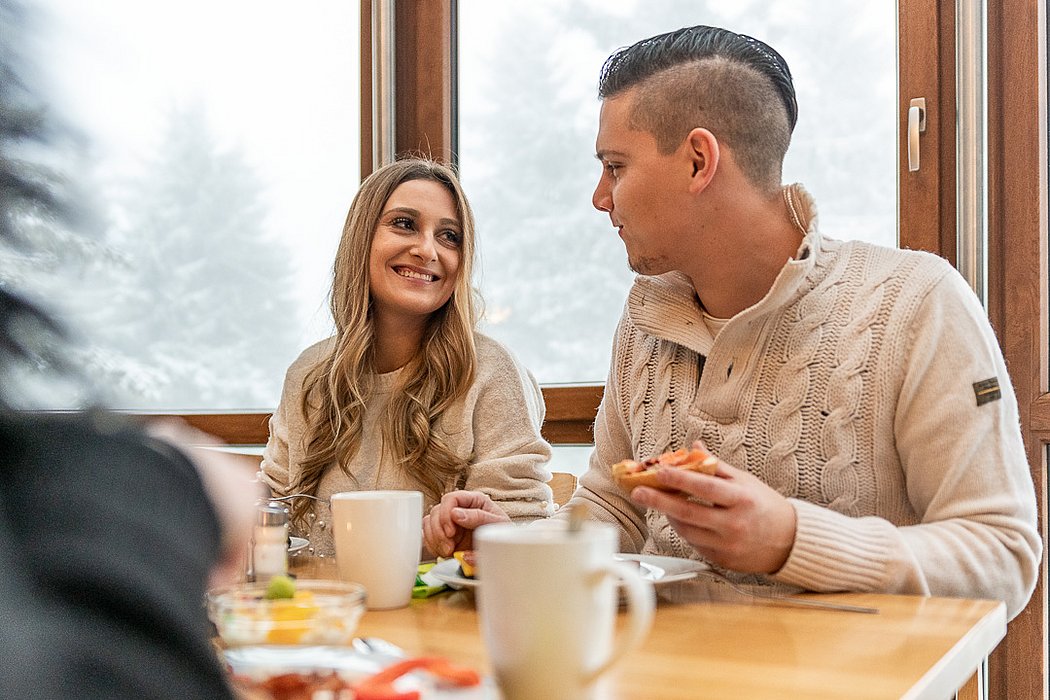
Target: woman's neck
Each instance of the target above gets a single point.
(396, 343)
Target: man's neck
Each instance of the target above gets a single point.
(760, 237)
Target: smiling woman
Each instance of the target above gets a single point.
(413, 267)
(407, 394)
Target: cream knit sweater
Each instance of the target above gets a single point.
(499, 421)
(850, 389)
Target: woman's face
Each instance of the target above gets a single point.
(416, 252)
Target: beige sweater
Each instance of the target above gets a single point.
(852, 389)
(499, 421)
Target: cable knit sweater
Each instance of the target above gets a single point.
(856, 389)
(498, 421)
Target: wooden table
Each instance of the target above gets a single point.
(704, 645)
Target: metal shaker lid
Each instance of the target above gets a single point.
(271, 514)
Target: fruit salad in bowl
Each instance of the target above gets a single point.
(287, 612)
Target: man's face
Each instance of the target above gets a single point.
(640, 189)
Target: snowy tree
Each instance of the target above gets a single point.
(206, 309)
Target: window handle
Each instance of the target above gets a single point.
(916, 126)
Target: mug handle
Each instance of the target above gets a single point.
(641, 600)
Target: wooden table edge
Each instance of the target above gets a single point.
(964, 660)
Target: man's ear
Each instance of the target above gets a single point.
(703, 152)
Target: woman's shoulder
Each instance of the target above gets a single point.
(498, 363)
(309, 357)
(301, 366)
(504, 380)
(316, 351)
(494, 355)
(487, 344)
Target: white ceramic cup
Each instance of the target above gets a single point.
(548, 600)
(378, 536)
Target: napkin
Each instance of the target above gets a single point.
(426, 584)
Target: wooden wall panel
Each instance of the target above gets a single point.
(1017, 221)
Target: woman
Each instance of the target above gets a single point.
(407, 394)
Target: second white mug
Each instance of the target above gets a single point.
(378, 537)
(548, 602)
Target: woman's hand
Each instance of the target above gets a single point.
(450, 525)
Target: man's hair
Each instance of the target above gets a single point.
(734, 85)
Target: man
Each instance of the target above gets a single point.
(857, 400)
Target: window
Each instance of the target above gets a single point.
(925, 200)
(220, 153)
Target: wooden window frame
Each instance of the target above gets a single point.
(1017, 236)
(1018, 283)
(569, 421)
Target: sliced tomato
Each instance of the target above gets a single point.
(380, 685)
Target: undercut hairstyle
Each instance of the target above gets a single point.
(736, 86)
(337, 389)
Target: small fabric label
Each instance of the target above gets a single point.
(987, 391)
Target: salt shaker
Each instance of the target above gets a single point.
(270, 542)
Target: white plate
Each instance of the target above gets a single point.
(448, 572)
(665, 569)
(659, 570)
(297, 544)
(261, 662)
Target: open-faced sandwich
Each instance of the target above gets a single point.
(630, 473)
(466, 563)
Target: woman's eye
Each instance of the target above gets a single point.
(402, 222)
(450, 237)
(612, 169)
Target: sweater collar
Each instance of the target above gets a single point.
(666, 305)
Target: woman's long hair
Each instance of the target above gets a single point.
(337, 389)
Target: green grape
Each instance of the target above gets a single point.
(281, 587)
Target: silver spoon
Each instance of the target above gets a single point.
(577, 515)
(374, 646)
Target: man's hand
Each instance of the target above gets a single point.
(450, 525)
(739, 522)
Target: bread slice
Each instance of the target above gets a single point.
(630, 473)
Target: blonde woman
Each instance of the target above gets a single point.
(407, 394)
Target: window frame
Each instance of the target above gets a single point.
(1018, 289)
(569, 419)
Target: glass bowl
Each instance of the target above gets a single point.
(321, 613)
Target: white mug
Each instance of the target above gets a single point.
(548, 599)
(378, 537)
